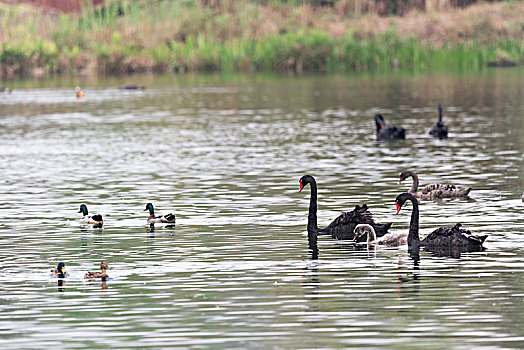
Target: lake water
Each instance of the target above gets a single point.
(225, 154)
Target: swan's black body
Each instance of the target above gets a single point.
(342, 227)
(386, 132)
(439, 130)
(441, 237)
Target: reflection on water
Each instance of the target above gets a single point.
(225, 154)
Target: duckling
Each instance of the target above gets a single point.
(59, 271)
(79, 92)
(152, 219)
(392, 239)
(95, 220)
(94, 274)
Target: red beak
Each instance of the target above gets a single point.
(399, 181)
(398, 207)
(301, 187)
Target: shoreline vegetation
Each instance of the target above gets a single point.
(246, 36)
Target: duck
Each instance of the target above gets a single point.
(79, 92)
(132, 87)
(95, 220)
(96, 274)
(59, 271)
(442, 237)
(392, 239)
(387, 132)
(343, 227)
(433, 191)
(439, 130)
(3, 89)
(152, 219)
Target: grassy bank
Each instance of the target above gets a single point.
(186, 35)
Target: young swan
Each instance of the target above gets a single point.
(392, 239)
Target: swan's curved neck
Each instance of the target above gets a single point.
(440, 113)
(371, 235)
(312, 216)
(413, 238)
(414, 186)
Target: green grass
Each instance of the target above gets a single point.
(180, 36)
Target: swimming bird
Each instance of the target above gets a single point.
(442, 237)
(392, 239)
(132, 87)
(342, 227)
(387, 132)
(439, 130)
(95, 220)
(433, 191)
(152, 219)
(79, 92)
(96, 274)
(59, 271)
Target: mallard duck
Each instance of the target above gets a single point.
(59, 271)
(94, 274)
(5, 90)
(95, 220)
(79, 92)
(152, 219)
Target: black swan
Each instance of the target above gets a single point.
(342, 227)
(439, 130)
(392, 239)
(433, 191)
(388, 133)
(442, 237)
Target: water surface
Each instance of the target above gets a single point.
(225, 154)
